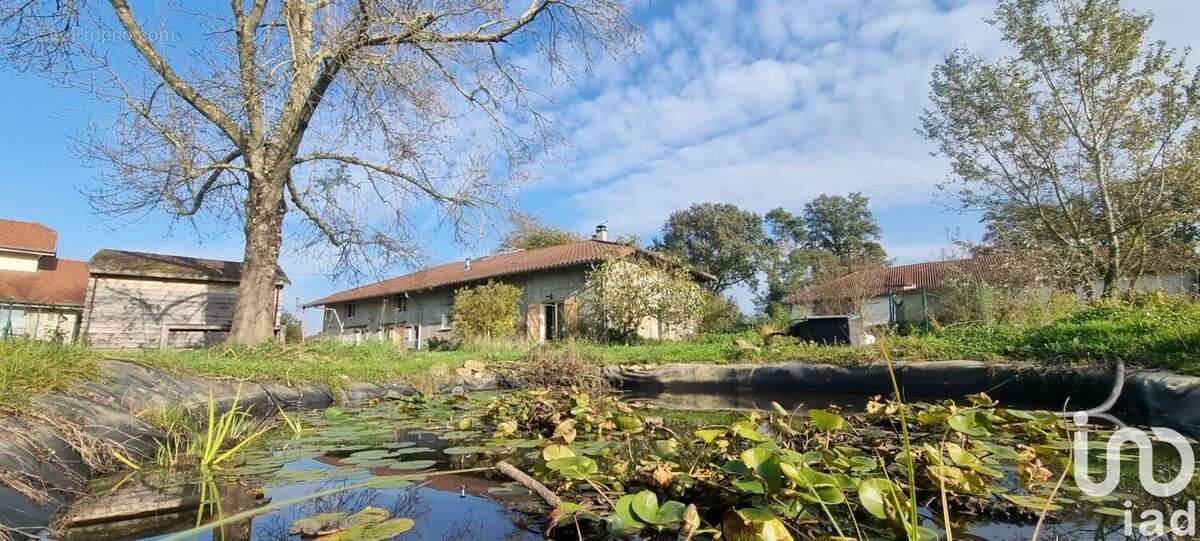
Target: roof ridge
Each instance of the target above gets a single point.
(495, 265)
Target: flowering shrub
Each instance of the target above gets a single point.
(621, 295)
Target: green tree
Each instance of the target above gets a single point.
(622, 293)
(529, 233)
(486, 310)
(834, 236)
(1084, 139)
(293, 327)
(844, 227)
(719, 238)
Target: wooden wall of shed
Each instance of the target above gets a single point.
(128, 312)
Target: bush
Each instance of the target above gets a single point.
(719, 314)
(438, 343)
(486, 311)
(621, 294)
(983, 304)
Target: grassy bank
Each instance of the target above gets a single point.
(29, 368)
(1156, 332)
(317, 361)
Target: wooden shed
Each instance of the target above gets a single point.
(144, 300)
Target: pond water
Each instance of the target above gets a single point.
(384, 456)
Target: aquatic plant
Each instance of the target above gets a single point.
(614, 469)
(186, 443)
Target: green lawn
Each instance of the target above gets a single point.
(1157, 332)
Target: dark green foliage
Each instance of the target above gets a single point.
(442, 344)
(834, 236)
(844, 227)
(719, 238)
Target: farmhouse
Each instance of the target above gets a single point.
(143, 300)
(414, 308)
(910, 293)
(894, 295)
(41, 295)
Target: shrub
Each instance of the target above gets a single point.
(621, 294)
(719, 314)
(438, 343)
(486, 311)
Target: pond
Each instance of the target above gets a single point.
(422, 469)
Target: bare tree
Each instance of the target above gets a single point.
(352, 121)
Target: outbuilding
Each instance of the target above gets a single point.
(41, 295)
(145, 300)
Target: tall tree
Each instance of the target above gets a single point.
(529, 233)
(719, 238)
(360, 116)
(1083, 139)
(786, 266)
(832, 237)
(844, 227)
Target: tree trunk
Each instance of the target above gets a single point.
(254, 314)
(1112, 267)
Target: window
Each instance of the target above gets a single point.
(445, 321)
(349, 310)
(401, 303)
(408, 334)
(12, 323)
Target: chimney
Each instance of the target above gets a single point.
(601, 232)
(468, 264)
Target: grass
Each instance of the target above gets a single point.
(1155, 332)
(30, 368)
(315, 361)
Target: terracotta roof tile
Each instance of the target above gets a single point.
(126, 263)
(29, 236)
(57, 281)
(492, 266)
(927, 275)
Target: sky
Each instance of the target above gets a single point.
(762, 103)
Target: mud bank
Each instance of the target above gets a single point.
(44, 459)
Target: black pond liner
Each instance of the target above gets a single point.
(1149, 397)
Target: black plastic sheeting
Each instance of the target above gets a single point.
(1150, 397)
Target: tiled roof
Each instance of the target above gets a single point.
(126, 263)
(27, 236)
(57, 282)
(928, 275)
(492, 266)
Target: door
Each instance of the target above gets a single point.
(551, 321)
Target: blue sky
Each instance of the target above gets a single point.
(758, 103)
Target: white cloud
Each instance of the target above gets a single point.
(772, 102)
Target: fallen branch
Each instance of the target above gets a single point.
(519, 476)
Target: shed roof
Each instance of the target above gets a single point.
(144, 264)
(926, 275)
(60, 282)
(492, 266)
(27, 236)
